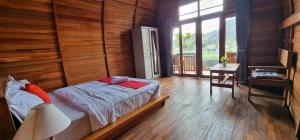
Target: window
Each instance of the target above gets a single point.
(176, 51)
(189, 48)
(210, 6)
(210, 44)
(188, 11)
(175, 42)
(230, 42)
(191, 10)
(201, 20)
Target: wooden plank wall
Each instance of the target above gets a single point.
(119, 18)
(54, 43)
(265, 37)
(292, 39)
(79, 28)
(28, 42)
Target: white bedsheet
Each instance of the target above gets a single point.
(80, 122)
(106, 103)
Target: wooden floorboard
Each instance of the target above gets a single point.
(191, 114)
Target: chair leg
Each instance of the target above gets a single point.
(285, 95)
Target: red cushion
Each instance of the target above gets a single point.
(36, 90)
(107, 80)
(133, 84)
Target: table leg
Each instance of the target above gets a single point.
(233, 78)
(210, 85)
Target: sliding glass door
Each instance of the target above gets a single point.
(176, 52)
(188, 48)
(204, 34)
(210, 43)
(230, 40)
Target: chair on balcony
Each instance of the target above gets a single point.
(274, 76)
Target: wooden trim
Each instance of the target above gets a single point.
(7, 126)
(28, 63)
(290, 21)
(3, 83)
(103, 39)
(267, 67)
(180, 49)
(122, 124)
(59, 43)
(134, 13)
(198, 48)
(222, 38)
(267, 96)
(222, 85)
(136, 6)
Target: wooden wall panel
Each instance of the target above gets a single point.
(129, 2)
(118, 22)
(265, 37)
(80, 39)
(58, 42)
(229, 7)
(292, 42)
(295, 98)
(28, 43)
(144, 17)
(148, 4)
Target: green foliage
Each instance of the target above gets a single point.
(224, 59)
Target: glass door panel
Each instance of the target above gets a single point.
(230, 40)
(189, 48)
(155, 52)
(176, 51)
(210, 44)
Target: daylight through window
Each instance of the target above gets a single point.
(191, 10)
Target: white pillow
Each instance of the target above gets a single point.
(19, 101)
(14, 84)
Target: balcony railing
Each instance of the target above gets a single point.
(189, 63)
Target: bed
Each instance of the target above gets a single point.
(100, 111)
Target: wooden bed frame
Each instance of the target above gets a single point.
(8, 128)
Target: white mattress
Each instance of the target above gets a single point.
(80, 123)
(112, 103)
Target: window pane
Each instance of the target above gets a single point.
(210, 6)
(188, 16)
(210, 44)
(188, 11)
(230, 42)
(176, 51)
(189, 48)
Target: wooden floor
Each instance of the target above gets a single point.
(190, 114)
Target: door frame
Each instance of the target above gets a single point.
(222, 15)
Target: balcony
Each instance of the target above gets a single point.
(189, 63)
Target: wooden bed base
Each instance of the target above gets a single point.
(8, 128)
(124, 123)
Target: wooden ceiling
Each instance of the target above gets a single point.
(55, 43)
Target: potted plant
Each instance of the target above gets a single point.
(224, 61)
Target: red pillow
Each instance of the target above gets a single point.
(36, 90)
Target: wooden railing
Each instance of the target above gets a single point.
(189, 63)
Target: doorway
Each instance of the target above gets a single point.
(204, 34)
